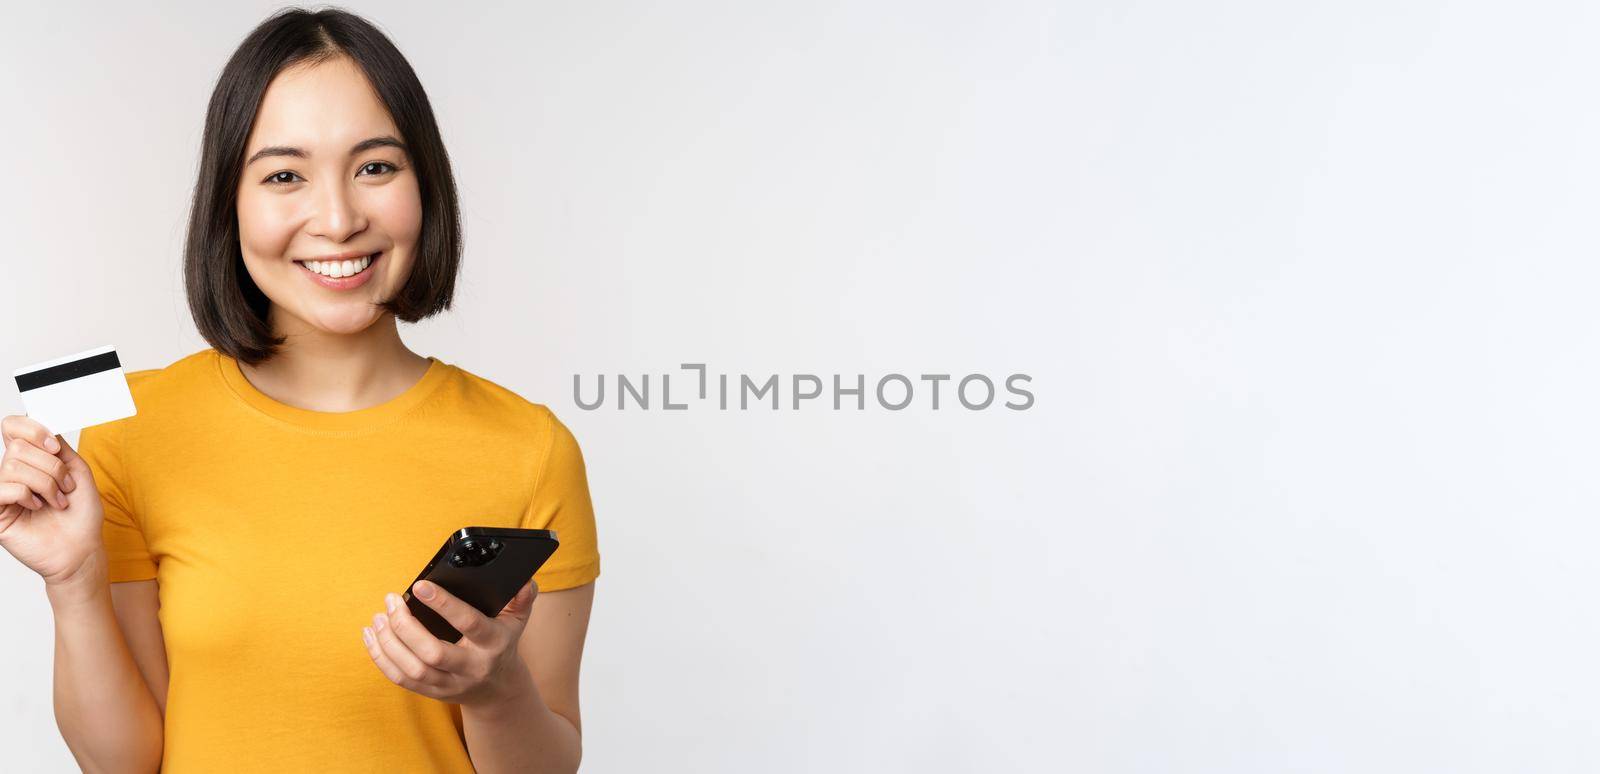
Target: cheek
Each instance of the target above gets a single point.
(266, 226)
(397, 209)
(397, 212)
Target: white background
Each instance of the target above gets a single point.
(1306, 289)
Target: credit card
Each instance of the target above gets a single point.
(73, 392)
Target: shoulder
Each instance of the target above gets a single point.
(171, 400)
(519, 414)
(158, 392)
(176, 380)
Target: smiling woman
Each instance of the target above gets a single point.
(332, 194)
(315, 189)
(238, 545)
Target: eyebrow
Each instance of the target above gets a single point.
(300, 153)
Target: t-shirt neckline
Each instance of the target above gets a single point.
(337, 421)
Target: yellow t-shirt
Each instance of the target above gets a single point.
(274, 533)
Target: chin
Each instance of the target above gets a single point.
(347, 320)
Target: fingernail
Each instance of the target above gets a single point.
(366, 635)
(378, 621)
(423, 589)
(37, 503)
(393, 600)
(53, 445)
(63, 499)
(67, 479)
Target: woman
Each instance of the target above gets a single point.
(223, 566)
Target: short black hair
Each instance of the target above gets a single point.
(228, 307)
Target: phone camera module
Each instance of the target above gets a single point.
(475, 553)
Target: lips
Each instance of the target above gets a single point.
(347, 282)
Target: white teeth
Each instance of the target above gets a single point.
(338, 269)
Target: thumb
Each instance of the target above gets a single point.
(520, 604)
(70, 456)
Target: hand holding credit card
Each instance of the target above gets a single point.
(50, 508)
(73, 392)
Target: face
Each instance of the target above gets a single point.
(327, 177)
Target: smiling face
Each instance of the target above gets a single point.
(327, 176)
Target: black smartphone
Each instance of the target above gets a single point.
(484, 567)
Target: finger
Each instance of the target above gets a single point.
(13, 492)
(472, 624)
(416, 673)
(385, 664)
(29, 429)
(430, 650)
(52, 465)
(13, 469)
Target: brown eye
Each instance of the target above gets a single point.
(383, 167)
(277, 178)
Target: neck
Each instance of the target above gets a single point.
(322, 371)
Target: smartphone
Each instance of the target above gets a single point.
(484, 567)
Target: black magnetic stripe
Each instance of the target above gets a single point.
(57, 374)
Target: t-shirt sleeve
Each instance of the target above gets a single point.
(127, 555)
(561, 503)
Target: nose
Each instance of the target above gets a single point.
(338, 214)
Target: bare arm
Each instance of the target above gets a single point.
(51, 520)
(107, 713)
(538, 729)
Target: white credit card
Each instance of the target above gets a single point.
(73, 392)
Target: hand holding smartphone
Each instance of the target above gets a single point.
(484, 567)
